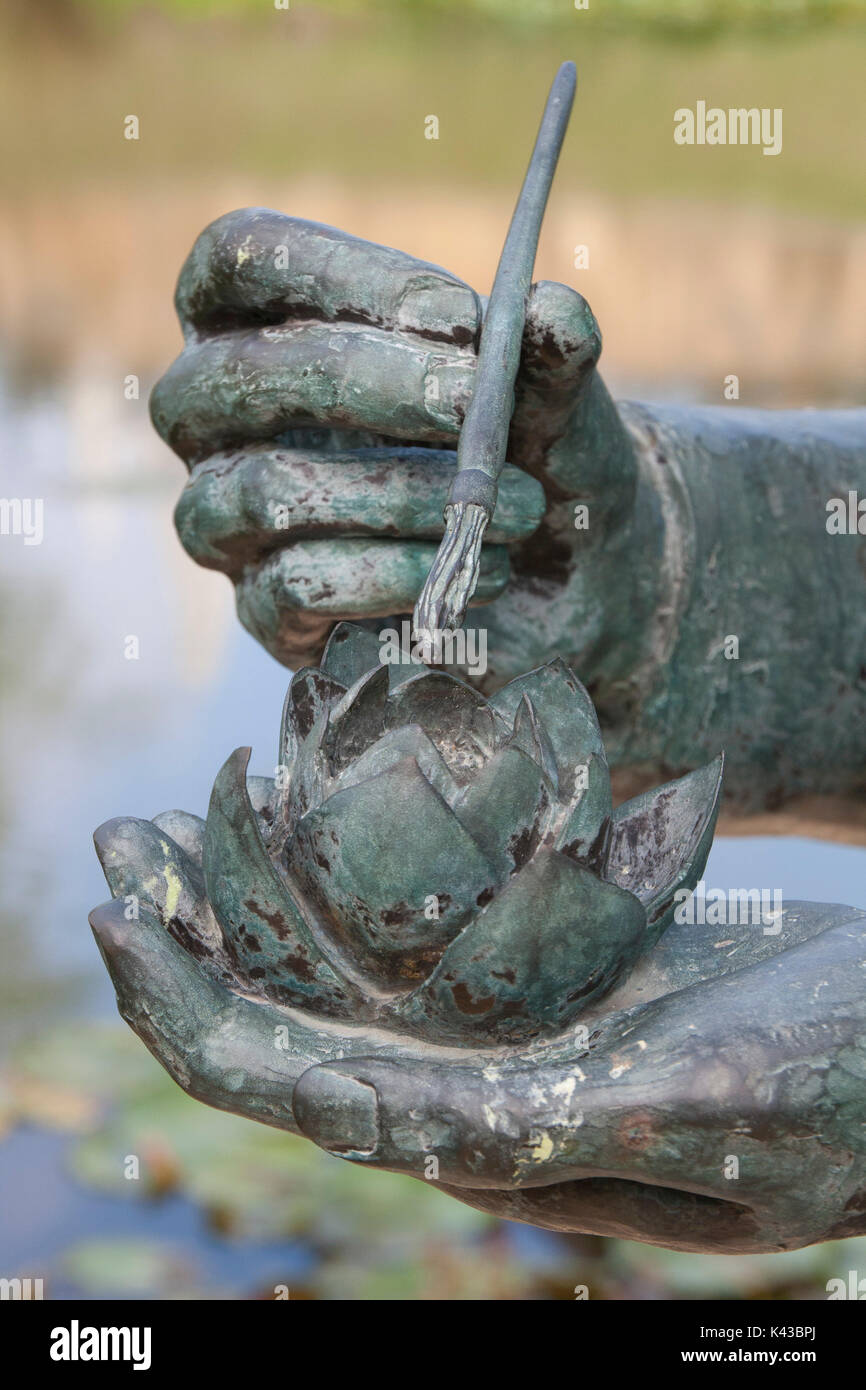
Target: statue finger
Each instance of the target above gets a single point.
(628, 1210)
(221, 1048)
(144, 864)
(561, 346)
(257, 266)
(175, 973)
(292, 598)
(224, 392)
(566, 429)
(236, 508)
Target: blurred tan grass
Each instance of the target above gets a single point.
(286, 94)
(685, 294)
(703, 262)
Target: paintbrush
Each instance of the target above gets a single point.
(484, 436)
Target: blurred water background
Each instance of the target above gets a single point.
(701, 263)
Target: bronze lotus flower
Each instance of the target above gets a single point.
(425, 861)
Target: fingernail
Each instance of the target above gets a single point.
(440, 309)
(337, 1111)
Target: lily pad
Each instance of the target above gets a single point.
(91, 1060)
(126, 1267)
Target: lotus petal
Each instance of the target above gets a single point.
(408, 742)
(456, 717)
(505, 808)
(555, 938)
(565, 710)
(269, 939)
(398, 675)
(585, 832)
(351, 652)
(660, 841)
(309, 699)
(185, 829)
(394, 868)
(143, 864)
(357, 719)
(530, 735)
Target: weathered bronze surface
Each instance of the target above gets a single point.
(431, 937)
(316, 365)
(430, 943)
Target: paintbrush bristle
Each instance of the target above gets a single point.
(454, 573)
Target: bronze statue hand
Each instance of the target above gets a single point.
(679, 559)
(716, 1102)
(317, 404)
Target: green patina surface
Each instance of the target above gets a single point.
(432, 937)
(318, 402)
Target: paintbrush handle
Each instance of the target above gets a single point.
(484, 436)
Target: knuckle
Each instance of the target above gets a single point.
(222, 237)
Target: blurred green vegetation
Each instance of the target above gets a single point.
(369, 1235)
(341, 91)
(687, 16)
